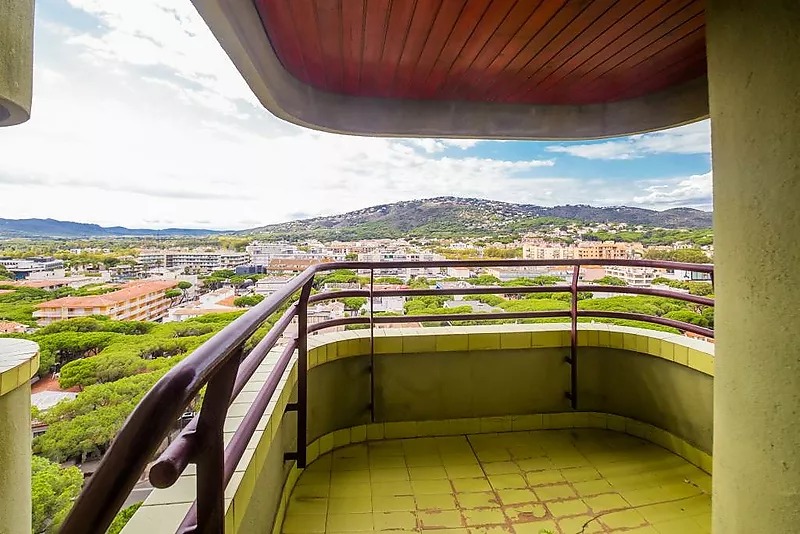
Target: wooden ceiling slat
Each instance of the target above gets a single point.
(277, 18)
(463, 30)
(376, 21)
(352, 44)
(532, 27)
(506, 32)
(603, 39)
(304, 13)
(651, 63)
(567, 56)
(440, 32)
(639, 36)
(421, 23)
(539, 57)
(329, 16)
(534, 51)
(396, 35)
(494, 18)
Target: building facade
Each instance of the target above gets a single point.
(136, 301)
(199, 260)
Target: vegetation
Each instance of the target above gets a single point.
(246, 301)
(610, 281)
(53, 489)
(392, 280)
(354, 303)
(702, 289)
(686, 255)
(122, 518)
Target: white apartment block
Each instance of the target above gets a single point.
(633, 276)
(401, 255)
(200, 260)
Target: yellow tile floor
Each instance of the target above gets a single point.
(557, 481)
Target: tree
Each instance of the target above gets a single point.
(223, 273)
(247, 301)
(419, 282)
(484, 280)
(351, 257)
(173, 293)
(496, 252)
(122, 518)
(388, 280)
(5, 274)
(610, 281)
(184, 285)
(687, 316)
(686, 255)
(354, 303)
(53, 490)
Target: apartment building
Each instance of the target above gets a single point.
(401, 255)
(200, 260)
(23, 268)
(609, 250)
(633, 276)
(135, 301)
(548, 251)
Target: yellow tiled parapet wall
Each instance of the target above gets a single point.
(695, 354)
(19, 361)
(263, 482)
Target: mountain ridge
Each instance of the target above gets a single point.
(54, 228)
(471, 215)
(439, 216)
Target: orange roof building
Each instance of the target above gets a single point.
(135, 301)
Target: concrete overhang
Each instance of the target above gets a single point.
(494, 69)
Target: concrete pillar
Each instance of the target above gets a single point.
(19, 361)
(754, 94)
(16, 61)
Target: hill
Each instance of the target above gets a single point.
(450, 216)
(54, 228)
(434, 217)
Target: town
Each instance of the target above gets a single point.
(113, 315)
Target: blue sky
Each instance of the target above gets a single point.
(140, 119)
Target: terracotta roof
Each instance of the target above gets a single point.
(7, 327)
(128, 291)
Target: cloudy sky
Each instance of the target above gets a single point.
(140, 120)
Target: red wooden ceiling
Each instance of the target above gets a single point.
(531, 51)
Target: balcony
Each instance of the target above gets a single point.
(561, 427)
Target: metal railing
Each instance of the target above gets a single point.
(222, 367)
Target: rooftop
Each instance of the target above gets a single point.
(129, 291)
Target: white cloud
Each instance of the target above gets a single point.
(694, 191)
(693, 138)
(432, 146)
(144, 122)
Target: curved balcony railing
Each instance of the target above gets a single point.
(222, 367)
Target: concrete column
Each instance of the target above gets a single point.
(16, 61)
(19, 360)
(754, 94)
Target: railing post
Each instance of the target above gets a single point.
(302, 373)
(211, 452)
(573, 346)
(372, 345)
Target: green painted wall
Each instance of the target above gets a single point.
(754, 77)
(338, 396)
(449, 385)
(16, 61)
(653, 390)
(15, 463)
